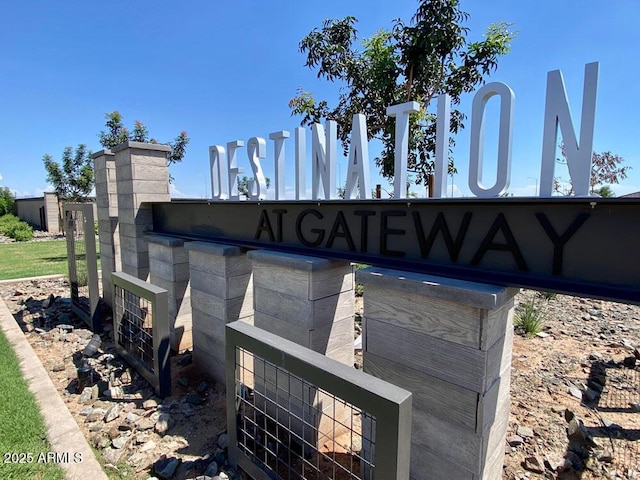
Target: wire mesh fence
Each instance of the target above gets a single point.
(141, 329)
(82, 262)
(299, 415)
(296, 430)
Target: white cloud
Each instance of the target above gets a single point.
(1, 177)
(174, 192)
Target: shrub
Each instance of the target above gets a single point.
(22, 232)
(13, 227)
(547, 295)
(359, 290)
(529, 317)
(7, 223)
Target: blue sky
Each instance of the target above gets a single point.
(226, 70)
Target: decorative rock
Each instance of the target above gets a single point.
(145, 424)
(95, 415)
(85, 396)
(195, 399)
(219, 457)
(185, 359)
(92, 348)
(166, 467)
(58, 367)
(49, 301)
(163, 423)
(211, 470)
(70, 338)
(112, 413)
(141, 461)
(575, 391)
(515, 440)
(132, 417)
(120, 442)
(95, 392)
(203, 387)
(150, 445)
(149, 404)
(533, 464)
(525, 432)
(95, 427)
(223, 441)
(187, 410)
(112, 455)
(86, 411)
(591, 394)
(100, 441)
(114, 432)
(183, 381)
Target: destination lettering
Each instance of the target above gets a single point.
(324, 152)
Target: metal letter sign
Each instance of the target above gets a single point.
(578, 246)
(581, 245)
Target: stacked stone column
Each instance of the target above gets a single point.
(221, 292)
(309, 301)
(143, 176)
(169, 269)
(107, 206)
(449, 342)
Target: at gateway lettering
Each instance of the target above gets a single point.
(314, 230)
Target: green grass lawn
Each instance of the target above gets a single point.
(22, 428)
(32, 259)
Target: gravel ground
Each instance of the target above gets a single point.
(575, 392)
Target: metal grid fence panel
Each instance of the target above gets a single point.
(82, 262)
(298, 415)
(295, 430)
(141, 329)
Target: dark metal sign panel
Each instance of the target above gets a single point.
(587, 247)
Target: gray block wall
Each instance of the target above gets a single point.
(221, 292)
(107, 216)
(142, 177)
(307, 300)
(449, 343)
(169, 269)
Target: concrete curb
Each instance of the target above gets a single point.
(63, 434)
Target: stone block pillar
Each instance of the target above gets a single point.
(169, 269)
(221, 292)
(307, 300)
(448, 342)
(107, 208)
(143, 176)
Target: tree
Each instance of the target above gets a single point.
(606, 169)
(7, 202)
(117, 133)
(243, 185)
(605, 192)
(415, 61)
(72, 178)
